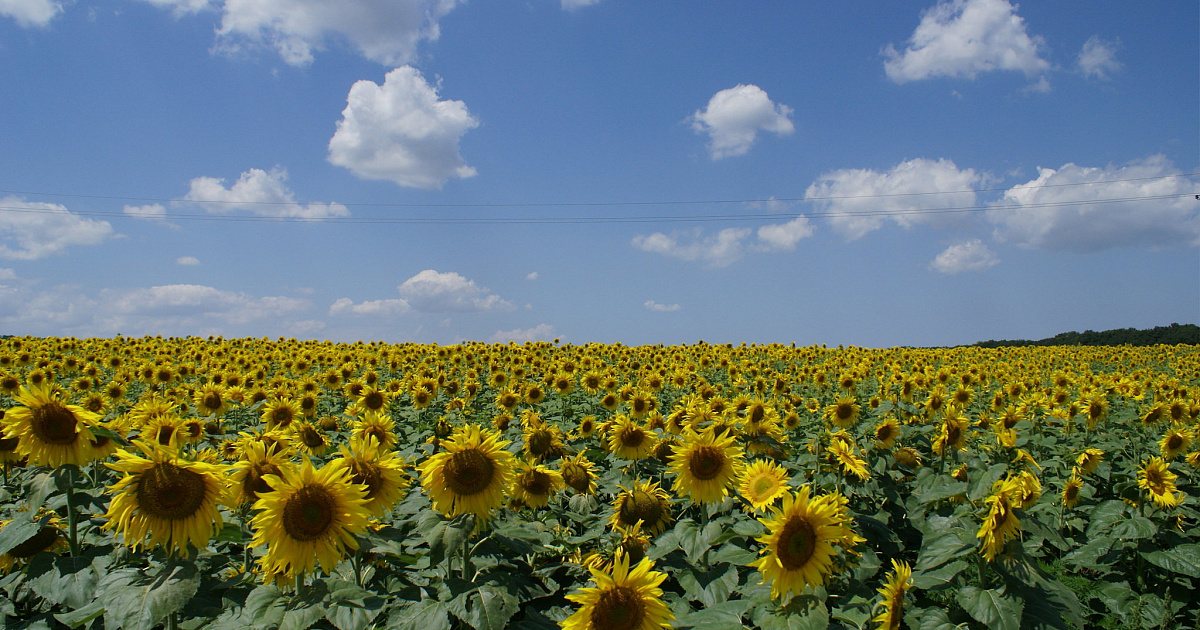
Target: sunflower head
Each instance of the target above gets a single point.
(471, 475)
(803, 536)
(49, 431)
(623, 599)
(645, 502)
(762, 482)
(706, 466)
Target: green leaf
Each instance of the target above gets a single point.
(1117, 598)
(137, 602)
(1184, 559)
(933, 578)
(1090, 554)
(928, 619)
(266, 605)
(352, 607)
(67, 580)
(301, 614)
(230, 532)
(940, 488)
(487, 608)
(937, 550)
(428, 614)
(709, 587)
(42, 486)
(17, 532)
(81, 616)
(993, 608)
(691, 539)
(1104, 516)
(719, 617)
(1136, 528)
(802, 613)
(981, 486)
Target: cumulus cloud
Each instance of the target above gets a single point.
(1072, 209)
(963, 38)
(385, 32)
(183, 7)
(572, 5)
(858, 198)
(716, 251)
(32, 230)
(401, 132)
(175, 309)
(346, 306)
(434, 292)
(30, 13)
(1099, 58)
(541, 332)
(187, 261)
(972, 255)
(153, 211)
(263, 193)
(785, 236)
(734, 117)
(651, 305)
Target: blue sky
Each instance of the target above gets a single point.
(872, 174)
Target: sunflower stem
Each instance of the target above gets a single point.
(72, 516)
(357, 563)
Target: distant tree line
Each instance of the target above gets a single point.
(1169, 335)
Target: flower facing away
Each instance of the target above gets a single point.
(801, 541)
(625, 599)
(170, 500)
(1001, 523)
(310, 517)
(897, 583)
(471, 475)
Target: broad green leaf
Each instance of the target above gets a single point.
(1090, 554)
(802, 613)
(981, 486)
(995, 609)
(20, 530)
(928, 619)
(68, 580)
(487, 608)
(352, 607)
(81, 616)
(937, 550)
(1136, 528)
(719, 617)
(709, 587)
(1184, 559)
(266, 605)
(940, 488)
(1104, 516)
(428, 614)
(136, 602)
(301, 615)
(933, 578)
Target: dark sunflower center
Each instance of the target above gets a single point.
(171, 493)
(254, 483)
(539, 442)
(757, 413)
(797, 543)
(844, 411)
(369, 475)
(469, 472)
(1072, 492)
(41, 541)
(1174, 442)
(764, 485)
(706, 462)
(618, 608)
(536, 483)
(53, 423)
(212, 402)
(640, 506)
(373, 401)
(164, 434)
(282, 416)
(632, 437)
(308, 514)
(312, 438)
(953, 433)
(587, 426)
(193, 429)
(508, 401)
(577, 477)
(883, 433)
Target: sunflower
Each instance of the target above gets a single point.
(471, 475)
(534, 485)
(1001, 523)
(625, 599)
(1156, 478)
(800, 541)
(645, 502)
(280, 413)
(908, 456)
(850, 463)
(249, 474)
(1089, 460)
(843, 412)
(579, 474)
(1070, 493)
(706, 467)
(1174, 443)
(377, 425)
(210, 400)
(171, 500)
(541, 439)
(309, 438)
(897, 583)
(629, 440)
(310, 517)
(952, 432)
(587, 427)
(50, 432)
(886, 433)
(762, 482)
(381, 471)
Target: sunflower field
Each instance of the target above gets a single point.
(189, 483)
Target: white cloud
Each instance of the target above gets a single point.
(187, 261)
(651, 305)
(434, 292)
(260, 192)
(784, 236)
(385, 32)
(963, 38)
(32, 230)
(401, 132)
(1098, 58)
(734, 117)
(183, 7)
(572, 5)
(541, 332)
(177, 309)
(1029, 215)
(154, 211)
(30, 13)
(717, 251)
(855, 197)
(972, 255)
(533, 275)
(346, 306)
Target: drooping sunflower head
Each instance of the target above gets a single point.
(166, 500)
(895, 586)
(1156, 478)
(706, 466)
(471, 475)
(309, 518)
(49, 431)
(49, 537)
(645, 502)
(1071, 489)
(1001, 523)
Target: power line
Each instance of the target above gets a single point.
(596, 219)
(594, 203)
